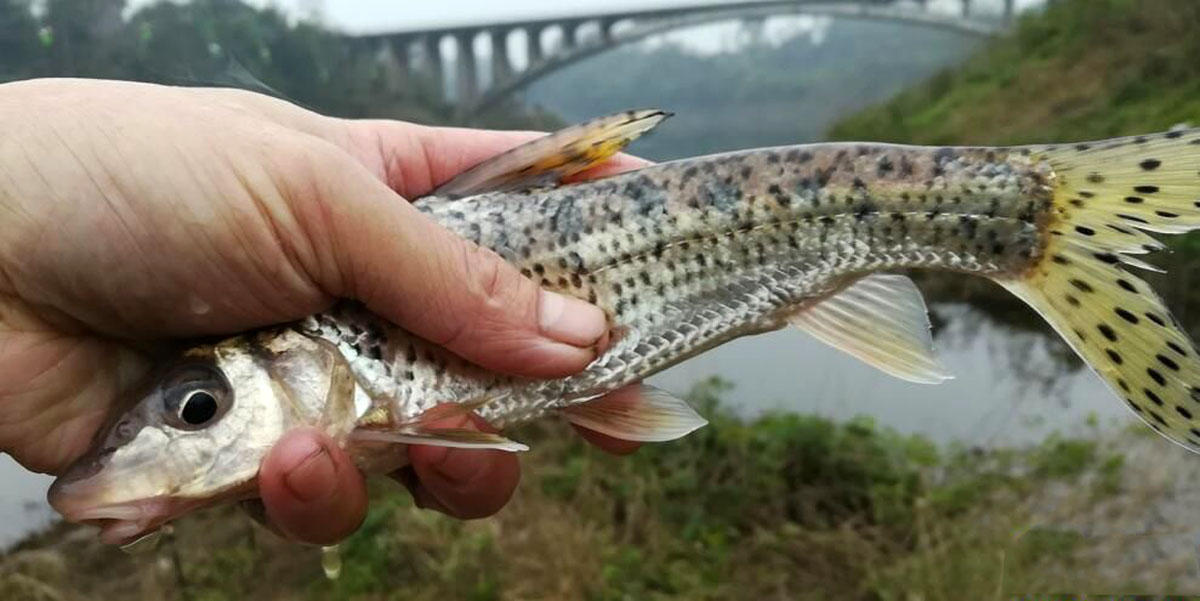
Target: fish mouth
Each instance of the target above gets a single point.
(122, 523)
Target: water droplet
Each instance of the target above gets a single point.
(198, 306)
(331, 562)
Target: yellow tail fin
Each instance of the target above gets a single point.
(1107, 195)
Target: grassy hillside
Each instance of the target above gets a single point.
(1082, 69)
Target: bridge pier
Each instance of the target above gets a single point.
(1010, 9)
(966, 9)
(467, 77)
(501, 65)
(400, 69)
(433, 63)
(534, 52)
(570, 31)
(606, 30)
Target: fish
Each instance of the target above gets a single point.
(682, 257)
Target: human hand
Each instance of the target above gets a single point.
(135, 214)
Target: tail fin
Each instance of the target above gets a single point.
(1107, 195)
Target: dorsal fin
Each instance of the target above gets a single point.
(547, 160)
(880, 319)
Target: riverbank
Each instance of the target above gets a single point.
(784, 506)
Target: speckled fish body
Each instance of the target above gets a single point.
(682, 257)
(687, 255)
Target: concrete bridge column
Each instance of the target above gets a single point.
(570, 31)
(400, 68)
(467, 79)
(966, 8)
(1010, 9)
(534, 51)
(606, 29)
(433, 63)
(501, 65)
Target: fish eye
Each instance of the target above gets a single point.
(195, 396)
(199, 407)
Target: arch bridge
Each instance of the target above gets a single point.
(421, 52)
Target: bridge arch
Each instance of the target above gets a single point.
(573, 54)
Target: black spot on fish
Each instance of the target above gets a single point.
(884, 166)
(1146, 189)
(1095, 178)
(1107, 332)
(1082, 147)
(1107, 258)
(1086, 231)
(1156, 319)
(1061, 260)
(1134, 200)
(1074, 302)
(1184, 412)
(1150, 164)
(1126, 285)
(1157, 377)
(1115, 356)
(1082, 285)
(1123, 384)
(1086, 194)
(1126, 315)
(1153, 397)
(1171, 135)
(1166, 214)
(1176, 348)
(1168, 362)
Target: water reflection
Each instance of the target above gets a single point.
(1010, 386)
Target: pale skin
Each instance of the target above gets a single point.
(133, 216)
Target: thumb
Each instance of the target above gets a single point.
(444, 288)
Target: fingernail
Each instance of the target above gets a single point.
(570, 320)
(314, 477)
(459, 467)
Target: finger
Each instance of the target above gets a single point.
(616, 446)
(374, 247)
(311, 489)
(414, 159)
(462, 483)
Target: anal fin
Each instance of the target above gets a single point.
(461, 438)
(880, 319)
(638, 413)
(547, 160)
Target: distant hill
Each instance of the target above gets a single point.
(1080, 69)
(759, 96)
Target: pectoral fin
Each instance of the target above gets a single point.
(639, 413)
(882, 320)
(441, 437)
(546, 161)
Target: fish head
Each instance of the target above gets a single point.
(200, 429)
